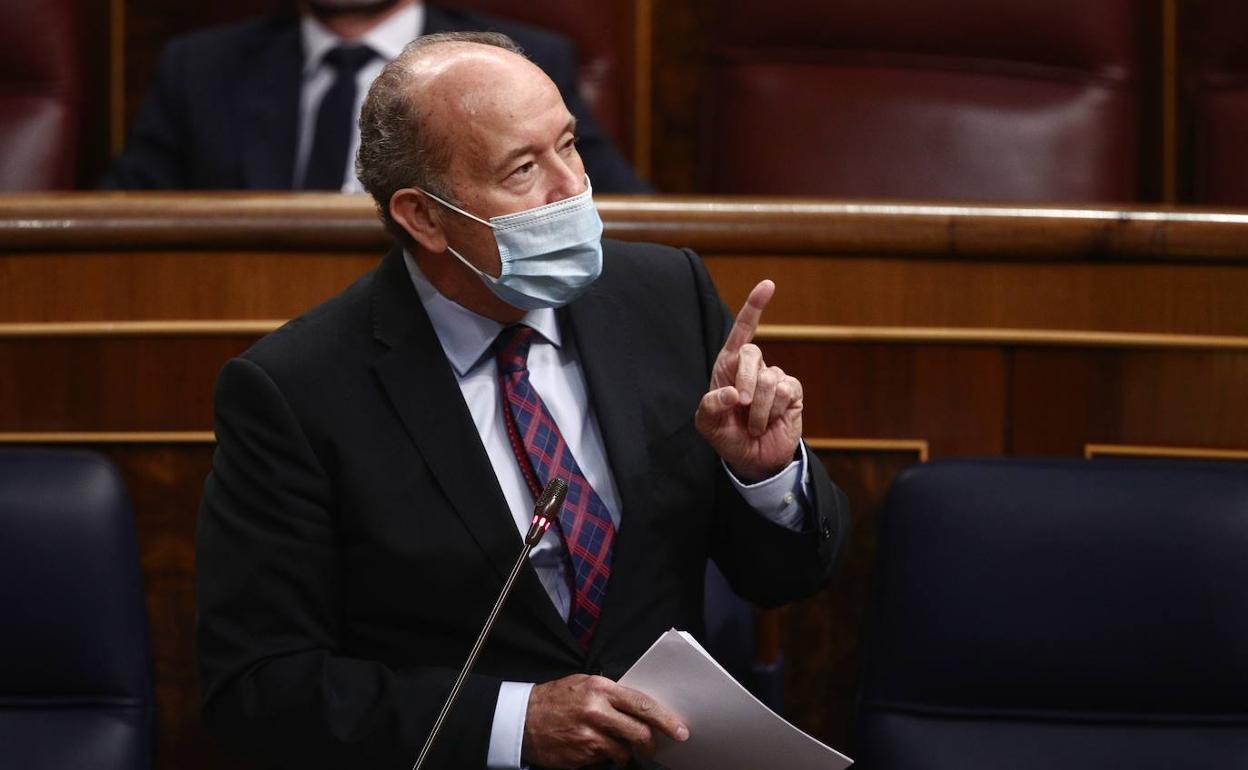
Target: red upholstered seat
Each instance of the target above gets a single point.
(966, 99)
(39, 94)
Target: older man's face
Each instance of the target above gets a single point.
(512, 143)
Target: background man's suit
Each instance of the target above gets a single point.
(223, 112)
(353, 535)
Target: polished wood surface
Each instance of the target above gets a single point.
(918, 331)
(859, 265)
(726, 224)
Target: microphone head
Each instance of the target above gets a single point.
(547, 508)
(551, 502)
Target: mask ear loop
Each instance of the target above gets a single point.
(480, 273)
(455, 208)
(483, 275)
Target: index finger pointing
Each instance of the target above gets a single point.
(747, 320)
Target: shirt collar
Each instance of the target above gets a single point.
(387, 38)
(465, 335)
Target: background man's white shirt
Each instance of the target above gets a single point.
(386, 39)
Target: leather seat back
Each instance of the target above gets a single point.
(75, 678)
(39, 94)
(968, 99)
(1042, 613)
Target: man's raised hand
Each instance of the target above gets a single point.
(752, 413)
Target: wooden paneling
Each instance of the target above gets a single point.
(681, 45)
(953, 397)
(1171, 452)
(94, 384)
(989, 267)
(952, 330)
(1064, 399)
(164, 484)
(188, 285)
(95, 47)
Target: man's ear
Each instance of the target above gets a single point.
(413, 211)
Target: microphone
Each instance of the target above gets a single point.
(545, 510)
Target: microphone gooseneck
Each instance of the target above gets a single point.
(547, 508)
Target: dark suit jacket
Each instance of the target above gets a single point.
(353, 537)
(223, 113)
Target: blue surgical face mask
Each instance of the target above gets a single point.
(550, 254)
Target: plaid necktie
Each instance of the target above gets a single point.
(584, 524)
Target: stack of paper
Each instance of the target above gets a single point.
(729, 729)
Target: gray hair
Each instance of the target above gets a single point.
(397, 148)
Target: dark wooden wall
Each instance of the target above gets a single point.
(918, 331)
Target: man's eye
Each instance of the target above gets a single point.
(570, 143)
(524, 169)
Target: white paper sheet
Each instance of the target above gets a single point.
(729, 729)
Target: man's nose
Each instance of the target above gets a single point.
(569, 178)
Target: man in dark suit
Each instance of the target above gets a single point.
(255, 105)
(379, 456)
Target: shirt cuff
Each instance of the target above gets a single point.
(507, 733)
(781, 498)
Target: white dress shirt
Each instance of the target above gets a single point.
(386, 39)
(555, 372)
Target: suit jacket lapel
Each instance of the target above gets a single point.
(421, 385)
(609, 355)
(267, 111)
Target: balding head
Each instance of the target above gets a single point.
(464, 118)
(407, 118)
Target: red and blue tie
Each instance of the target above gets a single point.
(585, 524)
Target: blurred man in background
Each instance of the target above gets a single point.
(273, 103)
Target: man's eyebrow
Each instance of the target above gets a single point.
(527, 149)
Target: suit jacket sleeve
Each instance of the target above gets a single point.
(269, 611)
(155, 154)
(764, 562)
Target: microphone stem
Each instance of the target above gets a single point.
(472, 656)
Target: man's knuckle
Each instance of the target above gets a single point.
(595, 714)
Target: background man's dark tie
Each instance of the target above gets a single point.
(327, 163)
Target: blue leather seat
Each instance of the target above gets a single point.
(1073, 614)
(75, 672)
